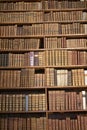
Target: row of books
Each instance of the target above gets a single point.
(42, 5)
(42, 78)
(54, 4)
(36, 102)
(22, 78)
(19, 60)
(73, 77)
(57, 100)
(21, 17)
(21, 5)
(23, 123)
(32, 78)
(18, 44)
(62, 42)
(38, 29)
(37, 43)
(38, 16)
(44, 58)
(14, 30)
(69, 122)
(69, 28)
(23, 102)
(12, 102)
(65, 16)
(65, 57)
(67, 100)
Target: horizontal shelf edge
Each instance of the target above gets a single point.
(41, 36)
(65, 66)
(47, 10)
(45, 49)
(43, 22)
(66, 111)
(43, 88)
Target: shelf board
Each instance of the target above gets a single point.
(68, 35)
(43, 67)
(67, 111)
(22, 88)
(44, 88)
(23, 36)
(67, 21)
(47, 10)
(45, 49)
(21, 112)
(67, 66)
(29, 10)
(49, 112)
(20, 23)
(67, 87)
(19, 1)
(44, 35)
(66, 9)
(43, 22)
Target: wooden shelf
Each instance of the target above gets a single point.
(18, 1)
(67, 21)
(45, 49)
(66, 9)
(43, 22)
(67, 87)
(42, 36)
(47, 10)
(22, 89)
(30, 36)
(43, 88)
(49, 112)
(21, 112)
(20, 23)
(67, 111)
(68, 35)
(29, 10)
(43, 67)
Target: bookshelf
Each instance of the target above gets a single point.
(43, 65)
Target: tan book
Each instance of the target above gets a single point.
(53, 101)
(84, 100)
(30, 102)
(50, 100)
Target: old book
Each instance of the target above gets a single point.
(29, 102)
(85, 77)
(40, 102)
(62, 96)
(66, 104)
(3, 102)
(24, 123)
(28, 123)
(50, 100)
(31, 58)
(84, 100)
(36, 58)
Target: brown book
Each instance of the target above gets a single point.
(68, 122)
(31, 58)
(66, 101)
(2, 123)
(62, 96)
(11, 123)
(24, 126)
(50, 100)
(50, 123)
(5, 123)
(36, 58)
(53, 101)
